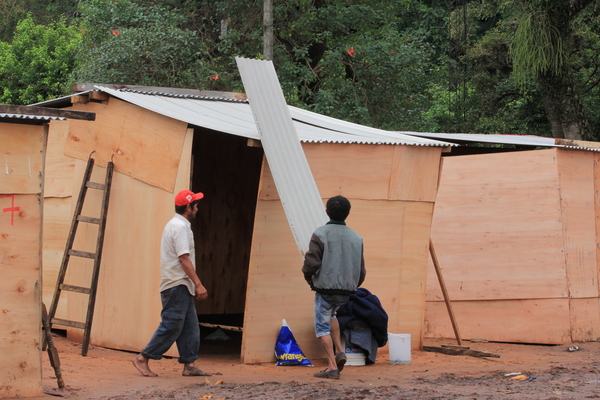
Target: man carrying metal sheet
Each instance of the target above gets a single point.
(179, 284)
(334, 267)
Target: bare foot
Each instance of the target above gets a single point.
(141, 363)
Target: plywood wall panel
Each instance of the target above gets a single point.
(56, 224)
(497, 231)
(395, 234)
(356, 171)
(544, 321)
(59, 168)
(21, 158)
(276, 288)
(415, 173)
(585, 321)
(141, 143)
(576, 174)
(128, 302)
(20, 296)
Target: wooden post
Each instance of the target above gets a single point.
(268, 29)
(438, 271)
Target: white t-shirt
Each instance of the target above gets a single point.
(177, 239)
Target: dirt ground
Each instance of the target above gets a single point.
(556, 374)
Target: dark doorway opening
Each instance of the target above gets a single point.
(227, 170)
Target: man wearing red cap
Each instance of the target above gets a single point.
(178, 286)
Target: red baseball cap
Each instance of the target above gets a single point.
(186, 197)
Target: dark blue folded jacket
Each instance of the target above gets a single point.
(366, 306)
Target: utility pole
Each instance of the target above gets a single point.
(268, 29)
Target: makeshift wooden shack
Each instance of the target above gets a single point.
(23, 133)
(164, 140)
(516, 235)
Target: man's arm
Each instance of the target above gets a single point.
(312, 258)
(188, 267)
(363, 270)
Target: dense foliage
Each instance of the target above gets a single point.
(485, 66)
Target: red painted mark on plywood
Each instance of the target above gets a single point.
(11, 209)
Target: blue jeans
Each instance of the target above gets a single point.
(179, 325)
(324, 313)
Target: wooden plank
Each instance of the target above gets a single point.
(576, 175)
(20, 300)
(355, 171)
(415, 173)
(585, 324)
(460, 351)
(21, 158)
(543, 321)
(578, 143)
(497, 230)
(46, 112)
(143, 144)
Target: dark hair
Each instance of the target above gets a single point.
(338, 208)
(181, 209)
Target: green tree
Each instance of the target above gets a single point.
(545, 45)
(36, 65)
(129, 43)
(43, 12)
(349, 59)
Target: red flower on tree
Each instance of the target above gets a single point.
(351, 52)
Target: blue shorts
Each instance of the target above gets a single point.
(324, 312)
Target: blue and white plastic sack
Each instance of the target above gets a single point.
(287, 351)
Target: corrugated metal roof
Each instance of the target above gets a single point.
(29, 116)
(517, 140)
(522, 140)
(235, 117)
(293, 178)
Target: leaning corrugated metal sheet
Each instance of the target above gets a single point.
(296, 186)
(235, 117)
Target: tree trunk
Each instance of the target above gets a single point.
(563, 106)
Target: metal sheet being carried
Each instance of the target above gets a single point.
(296, 186)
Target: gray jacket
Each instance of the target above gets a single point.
(334, 262)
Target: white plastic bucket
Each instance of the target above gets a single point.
(399, 344)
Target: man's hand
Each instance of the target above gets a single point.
(201, 293)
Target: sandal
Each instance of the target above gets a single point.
(328, 374)
(194, 371)
(340, 360)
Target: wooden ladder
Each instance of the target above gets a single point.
(101, 222)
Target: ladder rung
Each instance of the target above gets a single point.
(73, 324)
(77, 289)
(83, 254)
(90, 220)
(95, 185)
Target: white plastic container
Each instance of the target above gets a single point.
(354, 357)
(400, 350)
